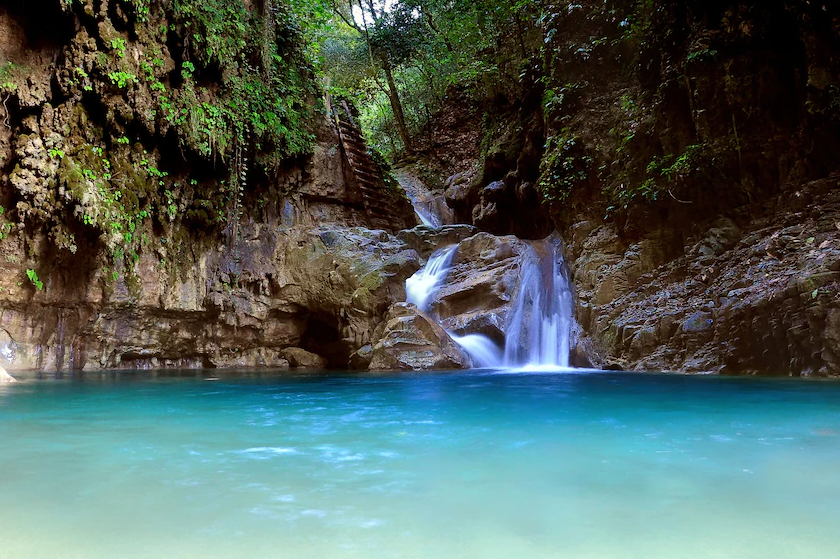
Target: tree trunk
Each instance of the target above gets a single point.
(396, 106)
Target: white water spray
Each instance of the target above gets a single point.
(427, 218)
(420, 287)
(539, 326)
(540, 322)
(481, 349)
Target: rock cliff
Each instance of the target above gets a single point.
(174, 195)
(686, 153)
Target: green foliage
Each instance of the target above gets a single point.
(663, 174)
(563, 167)
(268, 99)
(427, 46)
(638, 23)
(118, 45)
(10, 75)
(5, 227)
(141, 9)
(703, 55)
(80, 74)
(33, 277)
(122, 79)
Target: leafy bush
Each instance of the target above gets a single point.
(563, 167)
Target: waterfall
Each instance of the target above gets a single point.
(540, 319)
(481, 349)
(539, 324)
(426, 218)
(429, 206)
(424, 284)
(420, 287)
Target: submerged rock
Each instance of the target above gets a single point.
(409, 339)
(6, 377)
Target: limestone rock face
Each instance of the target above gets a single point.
(124, 242)
(323, 290)
(758, 297)
(409, 339)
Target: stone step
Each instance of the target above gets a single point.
(368, 175)
(360, 152)
(352, 133)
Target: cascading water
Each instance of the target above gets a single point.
(540, 322)
(430, 207)
(426, 218)
(481, 349)
(420, 287)
(539, 326)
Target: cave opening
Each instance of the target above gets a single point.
(45, 26)
(323, 337)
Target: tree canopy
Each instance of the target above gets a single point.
(396, 58)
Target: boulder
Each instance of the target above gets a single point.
(480, 285)
(459, 192)
(350, 273)
(409, 339)
(360, 359)
(487, 322)
(302, 359)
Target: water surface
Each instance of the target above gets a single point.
(468, 465)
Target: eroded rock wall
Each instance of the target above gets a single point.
(144, 225)
(756, 294)
(686, 151)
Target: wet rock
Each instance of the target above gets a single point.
(360, 359)
(486, 214)
(409, 339)
(426, 240)
(489, 323)
(483, 278)
(459, 192)
(300, 358)
(584, 355)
